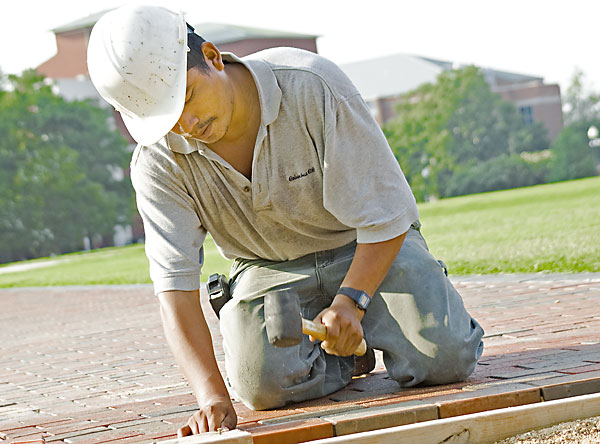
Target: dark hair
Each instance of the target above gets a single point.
(195, 57)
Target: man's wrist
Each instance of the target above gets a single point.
(346, 303)
(209, 387)
(360, 298)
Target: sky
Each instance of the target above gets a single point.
(549, 39)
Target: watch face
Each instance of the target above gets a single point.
(363, 301)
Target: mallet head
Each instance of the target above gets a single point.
(283, 318)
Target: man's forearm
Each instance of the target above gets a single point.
(371, 264)
(190, 341)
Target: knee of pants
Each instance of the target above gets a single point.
(258, 389)
(457, 356)
(257, 372)
(454, 365)
(442, 355)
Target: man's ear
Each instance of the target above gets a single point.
(212, 55)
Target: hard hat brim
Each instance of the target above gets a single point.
(150, 129)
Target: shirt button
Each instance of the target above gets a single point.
(246, 189)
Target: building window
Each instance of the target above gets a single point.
(527, 114)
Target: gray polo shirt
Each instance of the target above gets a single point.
(323, 175)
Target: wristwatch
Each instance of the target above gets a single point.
(361, 298)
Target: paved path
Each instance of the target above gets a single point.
(29, 265)
(90, 365)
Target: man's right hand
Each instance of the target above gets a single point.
(215, 414)
(190, 341)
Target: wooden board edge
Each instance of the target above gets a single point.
(480, 428)
(233, 437)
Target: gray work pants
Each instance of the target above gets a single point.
(416, 318)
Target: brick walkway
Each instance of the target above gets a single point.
(90, 365)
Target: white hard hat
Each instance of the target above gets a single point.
(137, 60)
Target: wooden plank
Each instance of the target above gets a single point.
(233, 437)
(480, 428)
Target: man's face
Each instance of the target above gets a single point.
(208, 106)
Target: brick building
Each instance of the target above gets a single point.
(383, 81)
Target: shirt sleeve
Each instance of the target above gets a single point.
(174, 234)
(364, 186)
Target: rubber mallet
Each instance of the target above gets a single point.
(285, 325)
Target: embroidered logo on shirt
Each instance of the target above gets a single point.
(298, 176)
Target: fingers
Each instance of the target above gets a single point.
(332, 342)
(215, 421)
(197, 423)
(210, 418)
(191, 428)
(343, 345)
(213, 424)
(344, 332)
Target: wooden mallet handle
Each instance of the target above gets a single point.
(319, 331)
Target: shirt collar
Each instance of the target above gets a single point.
(269, 95)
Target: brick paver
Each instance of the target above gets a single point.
(90, 365)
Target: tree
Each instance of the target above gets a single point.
(579, 103)
(57, 171)
(446, 127)
(572, 157)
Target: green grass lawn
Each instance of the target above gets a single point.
(549, 228)
(107, 266)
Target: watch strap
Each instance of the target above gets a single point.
(361, 298)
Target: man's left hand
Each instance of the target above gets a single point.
(344, 330)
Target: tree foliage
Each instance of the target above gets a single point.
(496, 173)
(59, 165)
(573, 156)
(580, 104)
(448, 127)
